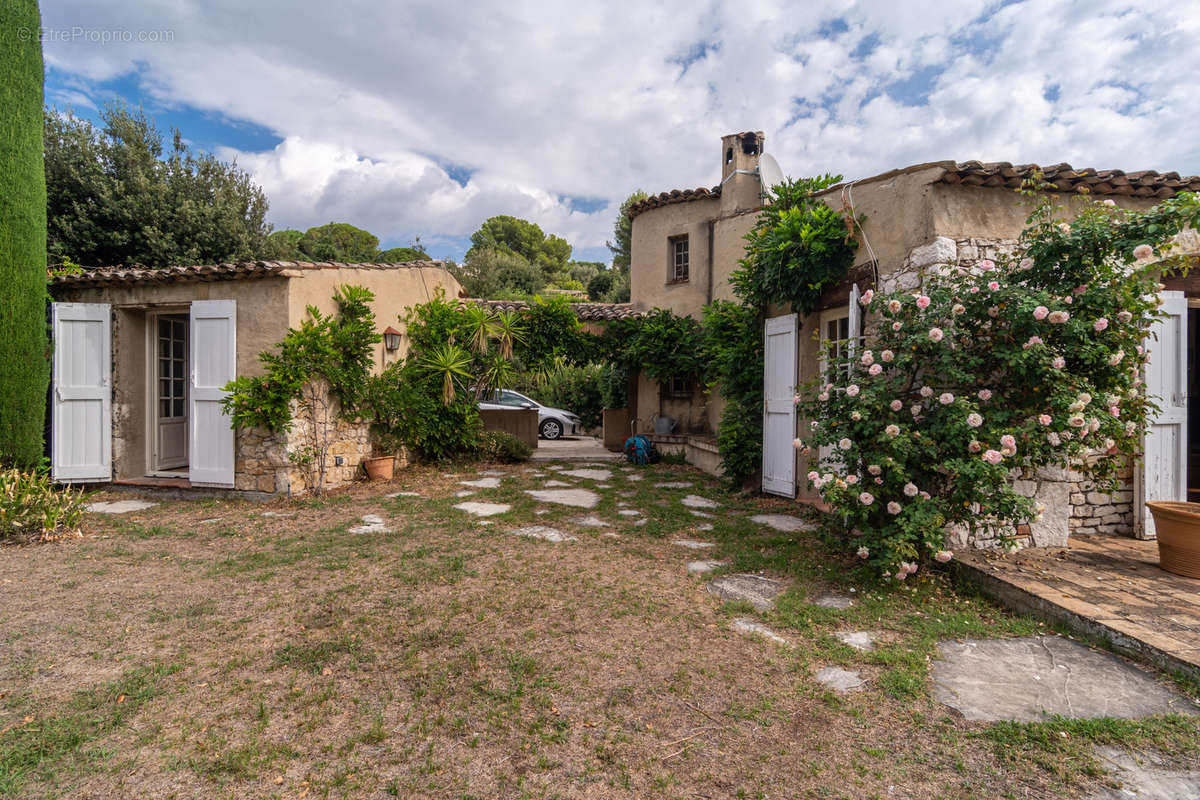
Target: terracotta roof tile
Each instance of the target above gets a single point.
(673, 196)
(1065, 178)
(110, 276)
(587, 312)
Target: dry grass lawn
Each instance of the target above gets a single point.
(201, 649)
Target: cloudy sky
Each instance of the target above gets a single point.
(425, 117)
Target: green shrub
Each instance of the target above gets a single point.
(24, 367)
(503, 447)
(32, 508)
(734, 345)
(406, 402)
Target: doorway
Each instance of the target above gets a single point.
(169, 393)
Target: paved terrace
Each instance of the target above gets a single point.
(1103, 586)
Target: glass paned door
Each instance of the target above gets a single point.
(171, 395)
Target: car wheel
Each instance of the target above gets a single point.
(551, 429)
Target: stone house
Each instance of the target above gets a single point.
(140, 357)
(917, 219)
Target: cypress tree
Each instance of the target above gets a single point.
(24, 351)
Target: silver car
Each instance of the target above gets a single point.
(553, 423)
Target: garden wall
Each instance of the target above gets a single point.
(520, 422)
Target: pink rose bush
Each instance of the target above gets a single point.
(999, 377)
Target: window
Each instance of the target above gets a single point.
(509, 398)
(835, 332)
(678, 248)
(677, 387)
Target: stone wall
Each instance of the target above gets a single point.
(1100, 512)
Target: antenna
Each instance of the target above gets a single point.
(769, 175)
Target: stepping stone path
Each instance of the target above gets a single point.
(372, 523)
(753, 628)
(1028, 678)
(578, 498)
(403, 494)
(783, 522)
(119, 506)
(603, 486)
(633, 478)
(463, 493)
(692, 544)
(840, 680)
(545, 534)
(706, 526)
(702, 514)
(838, 602)
(542, 511)
(703, 567)
(641, 522)
(695, 501)
(483, 483)
(210, 521)
(590, 474)
(589, 522)
(556, 483)
(483, 509)
(613, 535)
(629, 512)
(1145, 781)
(492, 472)
(672, 485)
(753, 589)
(859, 640)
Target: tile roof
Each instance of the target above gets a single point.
(673, 196)
(587, 312)
(1065, 178)
(203, 273)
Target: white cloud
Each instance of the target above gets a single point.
(542, 100)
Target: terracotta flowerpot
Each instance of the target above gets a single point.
(1177, 526)
(379, 468)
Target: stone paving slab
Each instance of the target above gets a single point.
(696, 501)
(783, 522)
(119, 506)
(577, 498)
(1104, 586)
(1028, 678)
(859, 640)
(483, 509)
(544, 533)
(703, 567)
(589, 474)
(403, 494)
(371, 523)
(755, 628)
(483, 483)
(692, 544)
(1145, 777)
(756, 590)
(840, 680)
(837, 602)
(589, 522)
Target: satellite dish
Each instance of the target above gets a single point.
(769, 174)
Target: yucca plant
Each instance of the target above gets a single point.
(480, 326)
(450, 362)
(507, 330)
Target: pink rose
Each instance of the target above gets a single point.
(868, 358)
(1059, 362)
(1124, 316)
(987, 265)
(1032, 341)
(1007, 440)
(985, 394)
(894, 306)
(896, 405)
(1100, 324)
(813, 476)
(993, 456)
(851, 479)
(866, 498)
(892, 430)
(1026, 263)
(936, 334)
(958, 309)
(875, 469)
(896, 326)
(887, 356)
(1114, 410)
(946, 398)
(974, 446)
(993, 285)
(863, 552)
(823, 396)
(974, 290)
(1059, 316)
(875, 369)
(926, 391)
(867, 297)
(1143, 252)
(910, 490)
(974, 420)
(1045, 419)
(893, 508)
(852, 390)
(943, 556)
(845, 444)
(1040, 312)
(923, 302)
(994, 312)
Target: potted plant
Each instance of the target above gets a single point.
(1177, 528)
(382, 467)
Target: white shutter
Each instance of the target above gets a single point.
(779, 412)
(1164, 466)
(213, 364)
(855, 314)
(81, 419)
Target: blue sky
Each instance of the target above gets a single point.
(426, 118)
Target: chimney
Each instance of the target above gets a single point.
(739, 170)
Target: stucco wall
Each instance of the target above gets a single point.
(650, 261)
(396, 291)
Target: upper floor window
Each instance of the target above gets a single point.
(679, 259)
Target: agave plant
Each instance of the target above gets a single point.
(451, 362)
(507, 330)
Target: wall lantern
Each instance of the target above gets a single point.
(391, 339)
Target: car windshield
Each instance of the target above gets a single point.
(511, 398)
